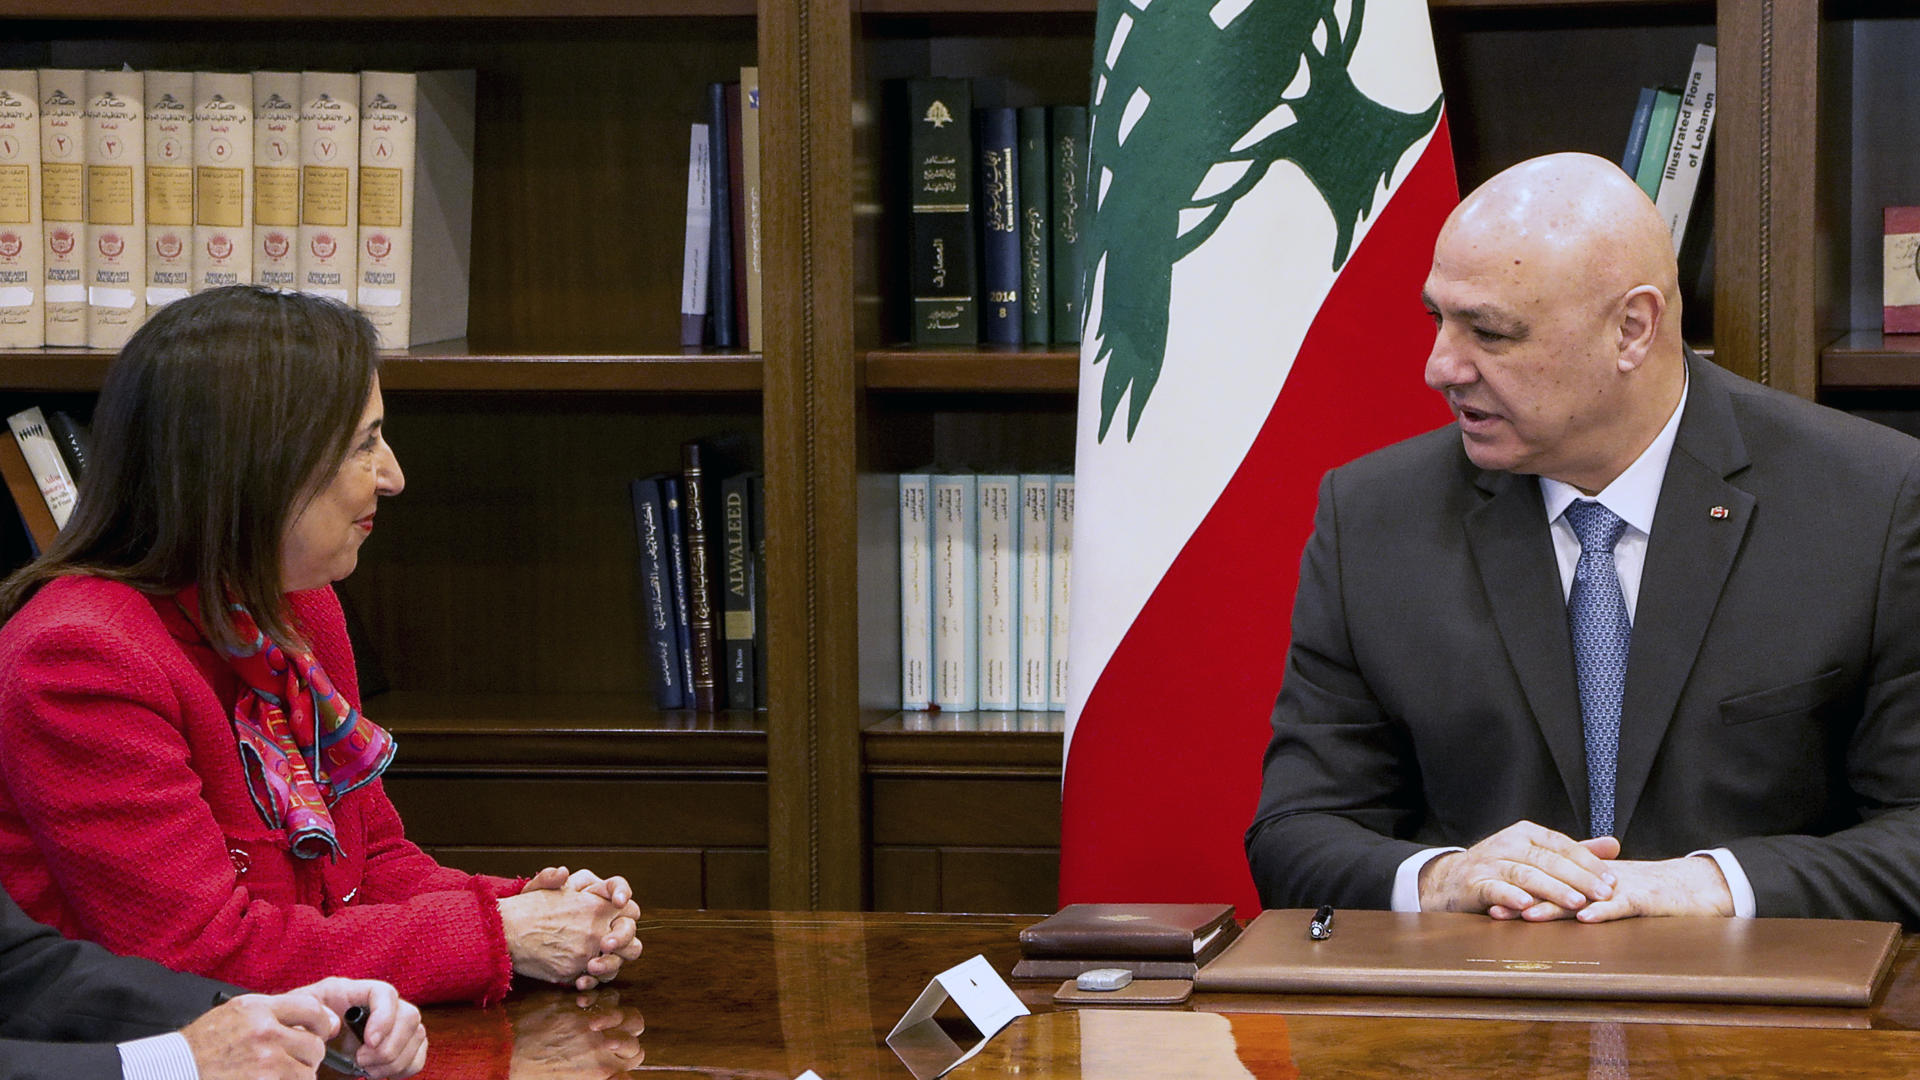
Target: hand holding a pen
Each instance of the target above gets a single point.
(285, 1036)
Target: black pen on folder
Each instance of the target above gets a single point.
(337, 1060)
(1321, 928)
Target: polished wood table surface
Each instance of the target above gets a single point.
(770, 995)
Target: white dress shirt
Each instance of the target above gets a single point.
(1633, 496)
(160, 1057)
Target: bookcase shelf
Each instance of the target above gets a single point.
(497, 598)
(99, 10)
(593, 731)
(446, 367)
(1871, 360)
(1012, 370)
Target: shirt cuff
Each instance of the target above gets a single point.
(1737, 882)
(1406, 880)
(159, 1057)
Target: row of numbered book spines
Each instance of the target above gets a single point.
(720, 291)
(996, 209)
(985, 575)
(701, 536)
(139, 188)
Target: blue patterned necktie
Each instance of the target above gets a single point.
(1597, 616)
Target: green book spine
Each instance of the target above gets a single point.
(941, 275)
(1036, 286)
(1653, 155)
(1068, 134)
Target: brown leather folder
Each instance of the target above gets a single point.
(1770, 961)
(1154, 931)
(1154, 941)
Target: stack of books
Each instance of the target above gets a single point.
(986, 573)
(720, 267)
(996, 206)
(702, 542)
(1666, 154)
(133, 189)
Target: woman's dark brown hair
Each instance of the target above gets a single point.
(219, 420)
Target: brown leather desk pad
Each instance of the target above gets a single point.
(1774, 961)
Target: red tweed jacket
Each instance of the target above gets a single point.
(124, 817)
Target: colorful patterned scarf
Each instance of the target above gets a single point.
(302, 746)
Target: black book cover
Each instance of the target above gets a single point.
(998, 184)
(757, 531)
(1036, 287)
(671, 502)
(72, 438)
(1068, 172)
(702, 462)
(739, 615)
(656, 594)
(940, 213)
(720, 237)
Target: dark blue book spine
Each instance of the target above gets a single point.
(738, 615)
(999, 187)
(1637, 133)
(1067, 126)
(656, 595)
(1036, 286)
(677, 566)
(720, 237)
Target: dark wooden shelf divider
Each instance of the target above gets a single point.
(986, 369)
(1871, 360)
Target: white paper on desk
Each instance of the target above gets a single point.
(982, 995)
(808, 1075)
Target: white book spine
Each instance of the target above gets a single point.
(416, 204)
(916, 593)
(1061, 586)
(222, 179)
(1036, 591)
(329, 186)
(169, 109)
(116, 140)
(43, 457)
(693, 262)
(956, 641)
(388, 144)
(63, 202)
(276, 177)
(995, 510)
(1687, 150)
(23, 314)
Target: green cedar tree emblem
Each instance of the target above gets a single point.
(1206, 89)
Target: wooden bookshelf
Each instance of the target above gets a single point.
(497, 603)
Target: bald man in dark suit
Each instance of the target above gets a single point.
(1633, 636)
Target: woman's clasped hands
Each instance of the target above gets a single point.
(575, 929)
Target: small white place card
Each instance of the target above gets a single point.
(980, 993)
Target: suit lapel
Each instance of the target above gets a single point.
(1698, 528)
(1514, 555)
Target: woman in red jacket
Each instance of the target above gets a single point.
(184, 771)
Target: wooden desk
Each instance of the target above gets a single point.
(767, 996)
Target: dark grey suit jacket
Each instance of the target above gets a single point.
(63, 1004)
(1773, 686)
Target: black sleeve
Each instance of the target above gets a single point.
(53, 990)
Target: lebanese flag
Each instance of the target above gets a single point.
(1269, 177)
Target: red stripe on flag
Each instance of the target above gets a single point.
(1164, 767)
